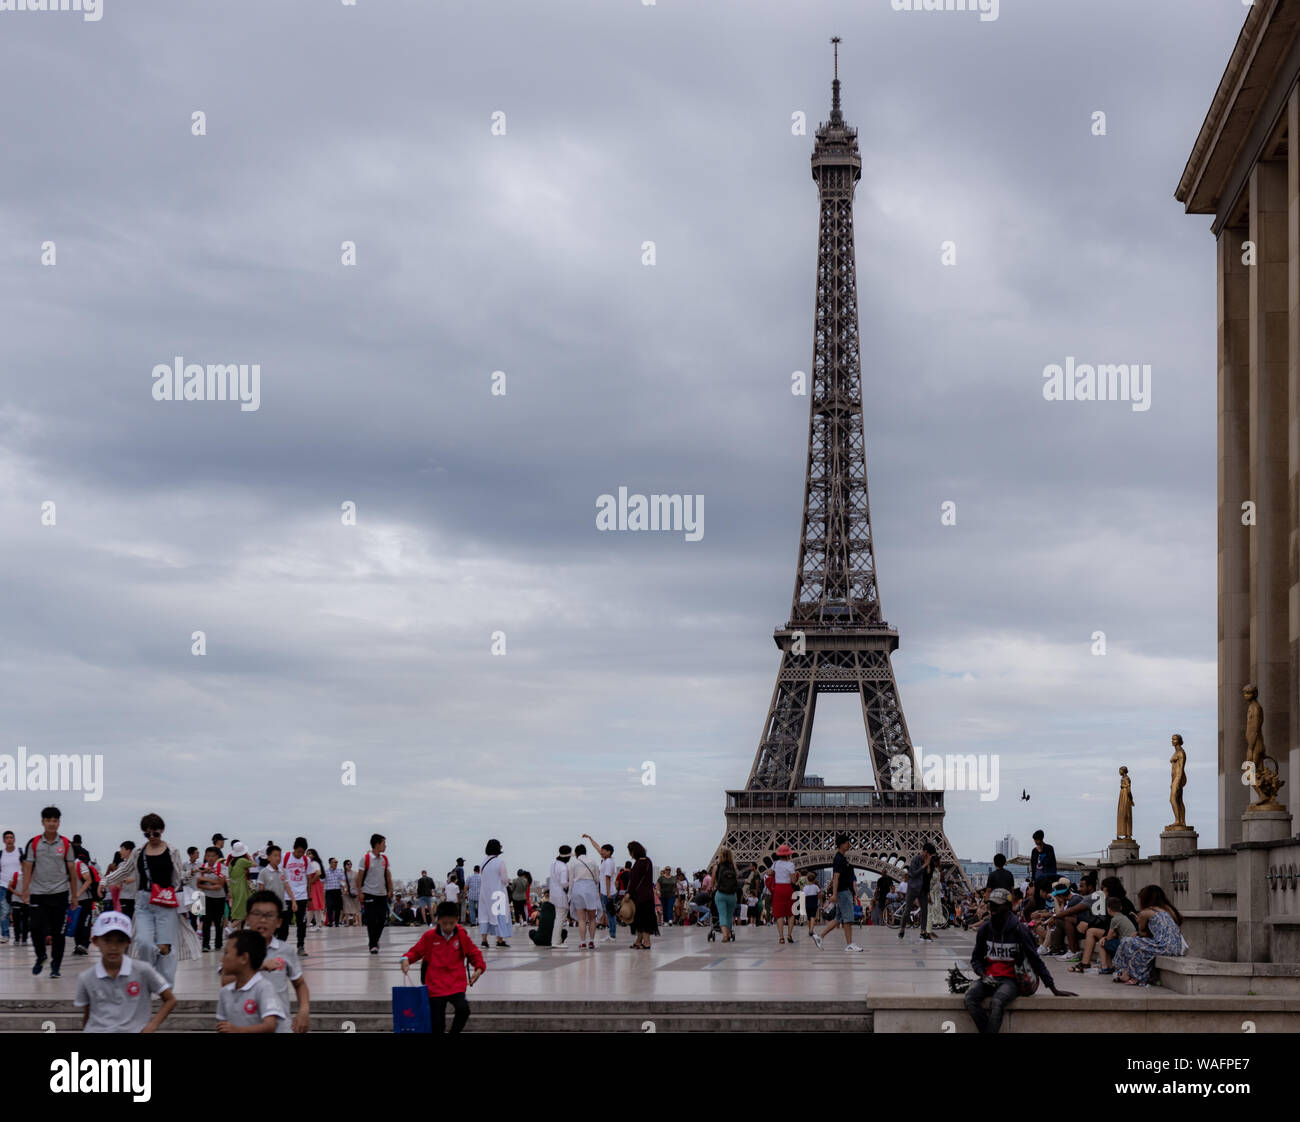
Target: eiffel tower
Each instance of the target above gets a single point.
(836, 640)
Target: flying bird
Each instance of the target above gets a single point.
(1024, 795)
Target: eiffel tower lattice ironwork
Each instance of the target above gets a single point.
(836, 640)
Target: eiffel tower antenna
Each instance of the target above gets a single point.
(836, 639)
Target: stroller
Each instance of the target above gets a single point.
(702, 906)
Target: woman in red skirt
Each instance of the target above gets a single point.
(783, 876)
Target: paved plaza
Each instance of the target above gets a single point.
(682, 965)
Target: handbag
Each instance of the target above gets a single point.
(161, 896)
(626, 910)
(411, 1008)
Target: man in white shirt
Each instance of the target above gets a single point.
(558, 887)
(11, 862)
(608, 893)
(301, 872)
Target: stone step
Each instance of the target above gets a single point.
(1202, 976)
(1135, 1011)
(728, 1021)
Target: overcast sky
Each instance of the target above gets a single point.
(522, 253)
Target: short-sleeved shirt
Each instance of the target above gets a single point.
(296, 871)
(121, 1004)
(1121, 927)
(1001, 878)
(372, 881)
(81, 871)
(607, 869)
(282, 980)
(215, 869)
(424, 887)
(250, 1003)
(452, 891)
(783, 871)
(841, 865)
(51, 865)
(272, 880)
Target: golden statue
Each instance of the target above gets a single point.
(1124, 816)
(1264, 779)
(1177, 781)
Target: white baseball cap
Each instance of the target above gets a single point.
(112, 921)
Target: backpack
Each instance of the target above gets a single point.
(728, 882)
(365, 865)
(64, 845)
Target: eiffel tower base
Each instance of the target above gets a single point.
(885, 828)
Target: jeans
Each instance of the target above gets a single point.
(4, 913)
(333, 906)
(1003, 992)
(374, 911)
(726, 905)
(610, 904)
(214, 915)
(668, 907)
(472, 906)
(154, 927)
(48, 915)
(438, 1009)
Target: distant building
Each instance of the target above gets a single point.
(1009, 847)
(977, 872)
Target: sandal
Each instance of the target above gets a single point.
(1078, 968)
(1106, 970)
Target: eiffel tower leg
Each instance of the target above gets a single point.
(783, 749)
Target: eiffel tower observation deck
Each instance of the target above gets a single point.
(836, 639)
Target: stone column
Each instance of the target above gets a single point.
(1270, 360)
(1289, 761)
(1233, 485)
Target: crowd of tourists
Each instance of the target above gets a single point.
(255, 907)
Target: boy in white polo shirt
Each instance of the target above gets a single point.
(281, 966)
(115, 995)
(249, 1002)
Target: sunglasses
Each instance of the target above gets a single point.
(153, 833)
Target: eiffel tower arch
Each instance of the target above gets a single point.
(836, 640)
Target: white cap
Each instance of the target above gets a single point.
(112, 921)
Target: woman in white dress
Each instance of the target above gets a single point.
(938, 918)
(494, 896)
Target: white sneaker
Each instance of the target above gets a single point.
(853, 947)
(818, 940)
(610, 939)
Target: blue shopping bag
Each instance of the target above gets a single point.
(73, 916)
(411, 1009)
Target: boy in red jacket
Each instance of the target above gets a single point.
(444, 949)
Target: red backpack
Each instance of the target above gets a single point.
(64, 845)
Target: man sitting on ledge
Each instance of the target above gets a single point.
(1002, 945)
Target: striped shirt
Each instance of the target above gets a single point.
(333, 879)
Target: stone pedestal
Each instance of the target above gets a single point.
(1178, 843)
(1265, 825)
(1122, 849)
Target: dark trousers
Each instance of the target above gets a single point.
(374, 911)
(48, 916)
(521, 911)
(1001, 992)
(438, 1010)
(333, 906)
(666, 902)
(20, 916)
(919, 894)
(300, 920)
(282, 932)
(81, 937)
(214, 915)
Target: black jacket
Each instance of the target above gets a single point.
(1014, 944)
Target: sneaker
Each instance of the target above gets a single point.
(374, 950)
(1074, 956)
(4, 938)
(302, 953)
(818, 940)
(902, 931)
(55, 974)
(79, 951)
(207, 950)
(853, 947)
(40, 965)
(609, 938)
